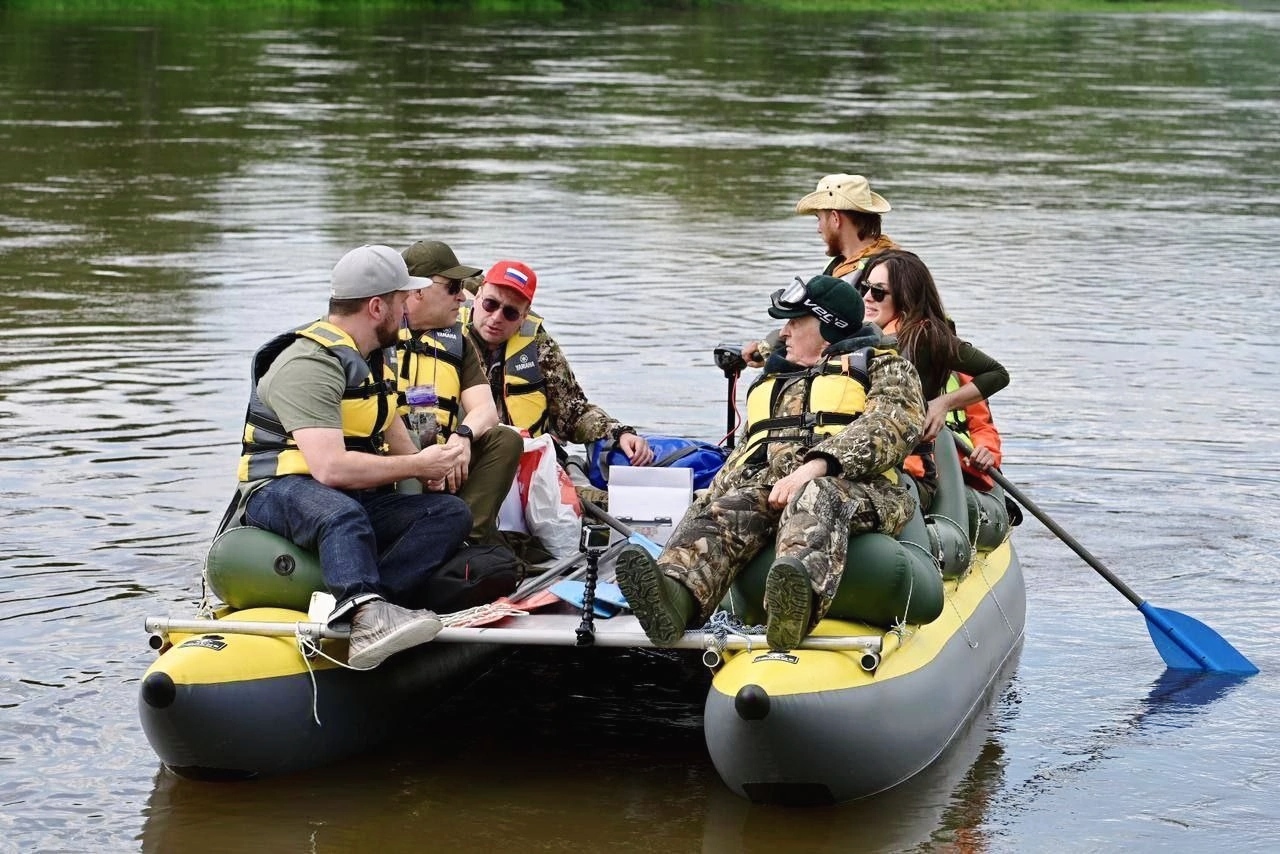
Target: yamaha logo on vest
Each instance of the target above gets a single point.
(524, 363)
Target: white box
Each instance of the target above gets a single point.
(651, 500)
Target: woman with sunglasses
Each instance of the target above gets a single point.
(899, 295)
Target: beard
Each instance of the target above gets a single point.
(388, 331)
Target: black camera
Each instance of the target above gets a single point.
(729, 359)
(594, 537)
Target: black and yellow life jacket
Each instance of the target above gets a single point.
(835, 396)
(432, 358)
(524, 388)
(368, 405)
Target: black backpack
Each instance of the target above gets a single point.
(475, 575)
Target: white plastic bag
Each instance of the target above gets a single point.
(552, 512)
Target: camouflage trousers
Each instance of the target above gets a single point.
(721, 533)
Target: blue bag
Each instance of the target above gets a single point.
(703, 457)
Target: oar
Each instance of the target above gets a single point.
(1183, 642)
(595, 511)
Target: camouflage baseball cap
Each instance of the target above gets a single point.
(432, 258)
(833, 301)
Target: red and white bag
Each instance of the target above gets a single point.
(542, 501)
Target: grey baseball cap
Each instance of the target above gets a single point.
(367, 271)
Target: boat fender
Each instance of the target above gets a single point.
(158, 690)
(251, 568)
(751, 703)
(950, 536)
(991, 518)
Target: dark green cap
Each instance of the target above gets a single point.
(433, 258)
(835, 302)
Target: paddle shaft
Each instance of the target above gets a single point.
(603, 515)
(1071, 541)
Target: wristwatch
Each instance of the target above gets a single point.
(465, 432)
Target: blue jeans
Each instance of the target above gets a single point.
(372, 543)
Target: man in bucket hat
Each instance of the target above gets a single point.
(848, 214)
(827, 429)
(323, 449)
(434, 350)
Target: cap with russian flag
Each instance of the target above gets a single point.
(514, 275)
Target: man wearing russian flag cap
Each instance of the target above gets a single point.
(532, 383)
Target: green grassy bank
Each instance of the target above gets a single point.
(1124, 6)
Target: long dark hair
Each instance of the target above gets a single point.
(925, 335)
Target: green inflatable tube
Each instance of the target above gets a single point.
(253, 568)
(990, 516)
(885, 581)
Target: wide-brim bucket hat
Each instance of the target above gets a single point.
(843, 193)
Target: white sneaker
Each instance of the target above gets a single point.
(380, 629)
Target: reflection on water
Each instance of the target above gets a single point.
(1097, 197)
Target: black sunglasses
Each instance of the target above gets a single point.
(453, 288)
(877, 293)
(509, 312)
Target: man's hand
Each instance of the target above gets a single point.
(455, 479)
(788, 487)
(437, 463)
(636, 448)
(751, 354)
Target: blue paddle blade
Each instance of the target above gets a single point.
(1185, 643)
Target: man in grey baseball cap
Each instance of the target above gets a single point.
(322, 451)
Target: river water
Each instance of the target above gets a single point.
(1098, 197)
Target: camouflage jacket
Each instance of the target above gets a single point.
(571, 417)
(879, 440)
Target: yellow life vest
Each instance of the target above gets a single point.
(434, 358)
(835, 396)
(368, 405)
(524, 388)
(957, 419)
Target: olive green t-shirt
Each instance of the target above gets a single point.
(304, 387)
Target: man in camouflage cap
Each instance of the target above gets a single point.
(804, 476)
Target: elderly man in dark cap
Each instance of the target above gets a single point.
(434, 351)
(827, 428)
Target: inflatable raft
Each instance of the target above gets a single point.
(945, 609)
(917, 634)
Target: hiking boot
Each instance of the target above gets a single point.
(789, 603)
(380, 629)
(663, 605)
